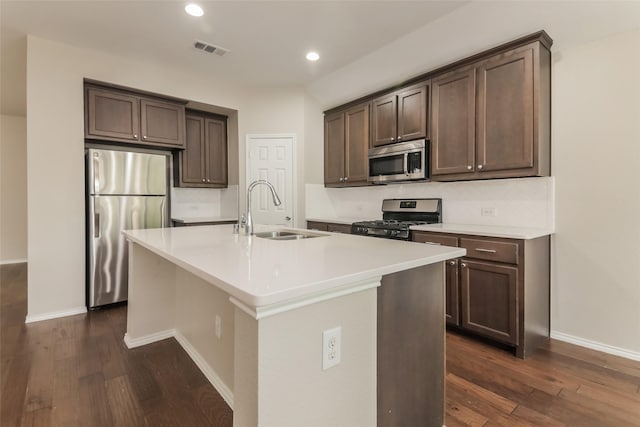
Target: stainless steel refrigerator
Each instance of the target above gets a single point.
(125, 190)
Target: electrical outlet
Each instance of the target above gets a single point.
(331, 347)
(218, 327)
(490, 211)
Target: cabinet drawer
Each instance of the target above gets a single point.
(491, 250)
(434, 239)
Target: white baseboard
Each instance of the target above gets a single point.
(55, 314)
(200, 362)
(12, 261)
(148, 339)
(605, 348)
(206, 369)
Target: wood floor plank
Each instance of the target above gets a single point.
(123, 406)
(14, 392)
(38, 418)
(213, 406)
(94, 406)
(40, 384)
(463, 414)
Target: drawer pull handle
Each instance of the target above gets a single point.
(489, 251)
(432, 243)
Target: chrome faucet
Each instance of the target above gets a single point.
(246, 222)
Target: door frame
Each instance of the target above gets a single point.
(294, 168)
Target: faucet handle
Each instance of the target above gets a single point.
(243, 220)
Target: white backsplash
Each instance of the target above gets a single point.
(520, 202)
(204, 202)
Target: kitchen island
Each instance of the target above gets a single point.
(251, 313)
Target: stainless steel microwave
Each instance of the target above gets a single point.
(404, 161)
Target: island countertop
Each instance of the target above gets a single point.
(261, 272)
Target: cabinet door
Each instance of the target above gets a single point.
(334, 149)
(453, 123)
(162, 122)
(112, 115)
(215, 152)
(505, 131)
(356, 144)
(384, 120)
(412, 114)
(452, 299)
(489, 295)
(192, 165)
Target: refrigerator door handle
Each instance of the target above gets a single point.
(96, 173)
(162, 215)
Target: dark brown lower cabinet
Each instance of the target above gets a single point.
(499, 290)
(489, 294)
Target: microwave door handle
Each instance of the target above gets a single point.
(406, 166)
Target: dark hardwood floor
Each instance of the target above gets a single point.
(76, 371)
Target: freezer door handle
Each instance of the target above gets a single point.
(96, 173)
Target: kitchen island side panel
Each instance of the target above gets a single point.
(411, 346)
(152, 290)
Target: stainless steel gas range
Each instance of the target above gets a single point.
(398, 215)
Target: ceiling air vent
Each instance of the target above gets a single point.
(209, 48)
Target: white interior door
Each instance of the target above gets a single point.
(270, 157)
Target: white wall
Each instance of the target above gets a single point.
(596, 153)
(13, 189)
(55, 143)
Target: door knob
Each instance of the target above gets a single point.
(288, 218)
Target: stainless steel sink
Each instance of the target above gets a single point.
(286, 235)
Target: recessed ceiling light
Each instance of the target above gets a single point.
(193, 9)
(313, 56)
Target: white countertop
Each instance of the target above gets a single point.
(341, 220)
(486, 230)
(195, 220)
(260, 272)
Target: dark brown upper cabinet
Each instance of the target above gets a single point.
(492, 119)
(453, 110)
(203, 162)
(346, 144)
(119, 116)
(400, 116)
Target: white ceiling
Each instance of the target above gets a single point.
(364, 45)
(267, 39)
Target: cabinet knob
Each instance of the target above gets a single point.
(144, 137)
(452, 262)
(399, 138)
(202, 179)
(479, 166)
(135, 136)
(208, 180)
(346, 178)
(341, 179)
(392, 138)
(469, 167)
(463, 265)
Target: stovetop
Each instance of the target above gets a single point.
(398, 215)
